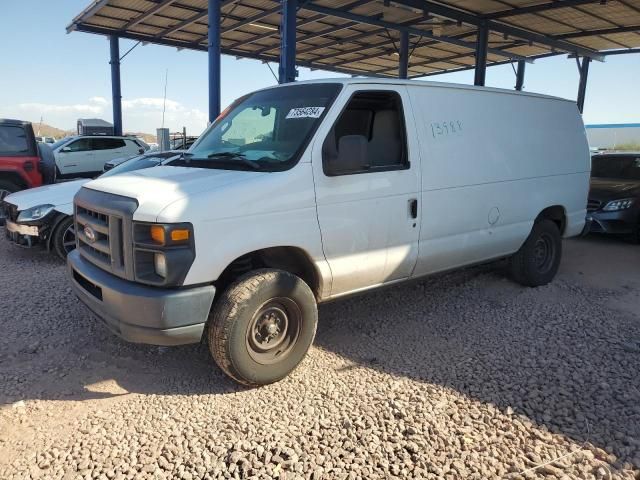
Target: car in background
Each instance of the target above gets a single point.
(85, 155)
(44, 216)
(46, 139)
(19, 158)
(614, 196)
(182, 143)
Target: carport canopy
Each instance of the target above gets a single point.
(384, 38)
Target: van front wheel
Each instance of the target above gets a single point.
(537, 261)
(262, 326)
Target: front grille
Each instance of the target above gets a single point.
(593, 205)
(103, 230)
(93, 234)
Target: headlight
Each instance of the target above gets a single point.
(160, 264)
(621, 204)
(35, 213)
(163, 252)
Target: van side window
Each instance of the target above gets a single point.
(372, 127)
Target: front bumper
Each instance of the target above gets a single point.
(23, 235)
(138, 313)
(620, 222)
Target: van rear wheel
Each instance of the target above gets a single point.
(537, 261)
(262, 326)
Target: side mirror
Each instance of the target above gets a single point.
(351, 156)
(65, 149)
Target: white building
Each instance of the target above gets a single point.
(613, 135)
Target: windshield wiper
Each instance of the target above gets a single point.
(251, 163)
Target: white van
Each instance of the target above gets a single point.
(307, 192)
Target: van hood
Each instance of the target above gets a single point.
(58, 194)
(156, 188)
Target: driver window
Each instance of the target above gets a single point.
(81, 145)
(252, 125)
(377, 118)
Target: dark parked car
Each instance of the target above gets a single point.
(614, 197)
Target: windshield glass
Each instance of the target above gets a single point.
(138, 163)
(621, 167)
(60, 142)
(265, 130)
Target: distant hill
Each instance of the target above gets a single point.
(44, 130)
(147, 137)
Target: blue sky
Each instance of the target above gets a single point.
(61, 77)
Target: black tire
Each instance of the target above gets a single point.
(64, 238)
(537, 261)
(258, 305)
(6, 187)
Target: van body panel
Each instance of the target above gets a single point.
(491, 162)
(368, 235)
(257, 212)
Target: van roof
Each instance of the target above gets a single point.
(420, 83)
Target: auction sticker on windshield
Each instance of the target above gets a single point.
(305, 112)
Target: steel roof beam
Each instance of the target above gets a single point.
(449, 59)
(275, 33)
(302, 23)
(203, 48)
(471, 67)
(255, 18)
(88, 12)
(241, 23)
(539, 8)
(192, 19)
(306, 21)
(411, 30)
(147, 14)
(311, 36)
(387, 51)
(602, 31)
(476, 20)
(339, 53)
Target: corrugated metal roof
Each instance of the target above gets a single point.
(331, 34)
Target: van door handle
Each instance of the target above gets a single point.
(413, 208)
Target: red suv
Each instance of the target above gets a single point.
(19, 160)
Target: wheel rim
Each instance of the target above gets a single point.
(544, 253)
(273, 330)
(69, 239)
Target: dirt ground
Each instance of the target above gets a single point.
(463, 375)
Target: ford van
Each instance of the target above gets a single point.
(308, 192)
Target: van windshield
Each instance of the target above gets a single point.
(266, 130)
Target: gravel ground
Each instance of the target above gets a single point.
(466, 375)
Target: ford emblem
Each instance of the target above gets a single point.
(90, 233)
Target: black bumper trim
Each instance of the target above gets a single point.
(138, 313)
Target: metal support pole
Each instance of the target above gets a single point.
(213, 48)
(403, 67)
(482, 42)
(116, 93)
(582, 87)
(287, 70)
(520, 75)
